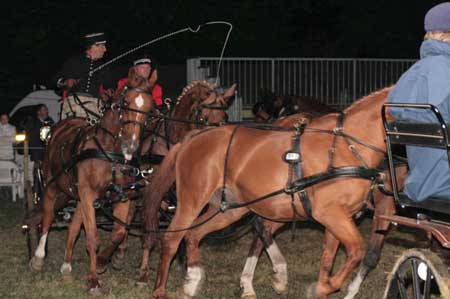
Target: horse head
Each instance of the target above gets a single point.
(135, 104)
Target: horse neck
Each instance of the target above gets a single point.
(110, 122)
(177, 130)
(363, 121)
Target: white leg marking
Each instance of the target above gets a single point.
(193, 278)
(66, 268)
(280, 279)
(354, 286)
(40, 250)
(247, 276)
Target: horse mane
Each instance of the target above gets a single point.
(183, 105)
(376, 95)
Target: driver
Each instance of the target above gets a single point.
(427, 81)
(84, 85)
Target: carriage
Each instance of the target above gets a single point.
(420, 273)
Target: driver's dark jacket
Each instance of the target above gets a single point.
(37, 146)
(80, 68)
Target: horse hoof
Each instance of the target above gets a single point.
(142, 279)
(182, 295)
(95, 292)
(280, 288)
(311, 291)
(117, 263)
(67, 278)
(248, 296)
(157, 294)
(36, 264)
(101, 269)
(141, 284)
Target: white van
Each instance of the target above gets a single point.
(27, 106)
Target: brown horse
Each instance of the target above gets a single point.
(247, 177)
(271, 107)
(382, 204)
(66, 171)
(199, 104)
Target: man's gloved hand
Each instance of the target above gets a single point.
(69, 83)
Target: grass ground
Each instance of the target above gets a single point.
(223, 264)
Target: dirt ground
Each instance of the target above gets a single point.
(223, 264)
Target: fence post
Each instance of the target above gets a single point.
(273, 75)
(354, 80)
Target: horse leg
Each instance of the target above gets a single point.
(346, 233)
(87, 197)
(72, 234)
(37, 261)
(119, 257)
(385, 206)
(331, 244)
(169, 246)
(120, 211)
(195, 273)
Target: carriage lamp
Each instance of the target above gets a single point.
(44, 133)
(20, 137)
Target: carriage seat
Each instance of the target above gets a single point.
(420, 134)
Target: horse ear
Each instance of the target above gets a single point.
(132, 75)
(230, 92)
(153, 78)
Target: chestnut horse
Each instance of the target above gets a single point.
(381, 203)
(199, 104)
(244, 176)
(68, 169)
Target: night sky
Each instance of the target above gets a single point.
(39, 37)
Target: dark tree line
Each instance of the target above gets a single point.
(39, 36)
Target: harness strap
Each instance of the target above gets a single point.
(336, 132)
(223, 200)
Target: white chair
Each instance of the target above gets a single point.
(11, 175)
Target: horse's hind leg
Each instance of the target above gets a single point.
(383, 206)
(195, 273)
(37, 261)
(120, 211)
(263, 239)
(346, 233)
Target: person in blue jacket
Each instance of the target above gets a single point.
(427, 81)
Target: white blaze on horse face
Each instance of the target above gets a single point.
(40, 250)
(194, 276)
(139, 101)
(247, 277)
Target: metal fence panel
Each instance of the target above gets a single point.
(334, 81)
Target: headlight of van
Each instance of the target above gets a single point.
(44, 133)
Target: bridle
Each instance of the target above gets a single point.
(122, 106)
(218, 104)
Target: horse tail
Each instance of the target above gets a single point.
(160, 184)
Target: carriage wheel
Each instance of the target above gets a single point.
(32, 233)
(419, 274)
